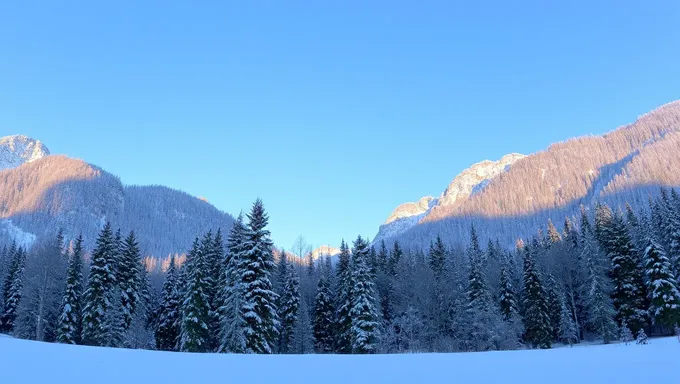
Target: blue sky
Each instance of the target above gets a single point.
(333, 112)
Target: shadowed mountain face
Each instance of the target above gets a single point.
(41, 196)
(520, 193)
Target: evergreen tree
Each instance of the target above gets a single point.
(508, 301)
(537, 329)
(167, 331)
(100, 285)
(259, 300)
(554, 306)
(553, 235)
(233, 324)
(567, 332)
(626, 334)
(69, 326)
(395, 259)
(642, 338)
(128, 278)
(194, 333)
(344, 301)
(214, 258)
(662, 287)
(437, 258)
(12, 288)
(324, 314)
(289, 305)
(600, 308)
(364, 325)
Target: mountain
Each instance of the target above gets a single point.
(18, 149)
(515, 196)
(41, 193)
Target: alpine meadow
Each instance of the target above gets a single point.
(297, 193)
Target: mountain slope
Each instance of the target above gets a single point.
(626, 164)
(52, 192)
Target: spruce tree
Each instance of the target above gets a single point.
(69, 324)
(233, 325)
(662, 287)
(194, 333)
(167, 331)
(537, 329)
(344, 301)
(567, 331)
(600, 308)
(437, 258)
(129, 278)
(12, 289)
(364, 328)
(324, 313)
(554, 306)
(289, 305)
(508, 301)
(100, 285)
(259, 300)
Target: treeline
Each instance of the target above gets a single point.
(608, 275)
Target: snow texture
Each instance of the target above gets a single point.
(615, 363)
(19, 149)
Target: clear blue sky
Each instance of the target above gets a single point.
(333, 112)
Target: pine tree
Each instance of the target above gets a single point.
(364, 328)
(662, 287)
(537, 330)
(259, 300)
(214, 259)
(553, 235)
(167, 332)
(194, 333)
(629, 291)
(128, 278)
(344, 301)
(69, 326)
(642, 338)
(395, 260)
(508, 301)
(324, 313)
(12, 289)
(289, 304)
(100, 285)
(599, 306)
(567, 332)
(626, 334)
(554, 306)
(437, 258)
(233, 324)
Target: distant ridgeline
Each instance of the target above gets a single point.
(514, 197)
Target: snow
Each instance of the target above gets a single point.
(23, 239)
(18, 149)
(617, 363)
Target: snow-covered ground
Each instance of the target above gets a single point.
(32, 362)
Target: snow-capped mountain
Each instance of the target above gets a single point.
(468, 183)
(325, 250)
(515, 196)
(19, 149)
(42, 193)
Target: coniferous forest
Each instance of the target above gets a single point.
(609, 274)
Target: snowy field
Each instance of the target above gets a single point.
(32, 362)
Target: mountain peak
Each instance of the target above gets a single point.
(16, 150)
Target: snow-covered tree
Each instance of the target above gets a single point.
(567, 332)
(537, 329)
(289, 305)
(12, 288)
(128, 278)
(344, 301)
(233, 325)
(259, 300)
(167, 331)
(100, 285)
(194, 333)
(364, 315)
(324, 313)
(69, 326)
(661, 286)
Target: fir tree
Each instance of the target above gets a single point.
(626, 334)
(553, 235)
(600, 308)
(324, 314)
(128, 278)
(233, 324)
(194, 333)
(289, 304)
(642, 338)
(69, 325)
(508, 301)
(364, 328)
(259, 300)
(437, 258)
(537, 329)
(662, 287)
(554, 306)
(567, 332)
(167, 332)
(12, 288)
(344, 301)
(100, 285)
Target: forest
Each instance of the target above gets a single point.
(609, 274)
